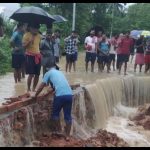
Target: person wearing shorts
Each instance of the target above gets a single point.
(139, 58)
(63, 96)
(147, 57)
(18, 57)
(118, 49)
(46, 49)
(91, 50)
(70, 48)
(112, 52)
(31, 42)
(56, 37)
(125, 46)
(103, 54)
(76, 52)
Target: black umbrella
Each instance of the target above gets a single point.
(32, 15)
(59, 18)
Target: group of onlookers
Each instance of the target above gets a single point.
(105, 50)
(30, 51)
(118, 48)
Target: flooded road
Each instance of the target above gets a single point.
(8, 87)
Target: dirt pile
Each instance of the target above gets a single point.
(142, 117)
(101, 139)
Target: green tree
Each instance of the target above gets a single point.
(116, 8)
(139, 16)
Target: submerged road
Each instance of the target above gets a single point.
(8, 87)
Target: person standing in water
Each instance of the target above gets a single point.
(63, 96)
(132, 50)
(18, 57)
(125, 46)
(31, 42)
(46, 49)
(118, 49)
(139, 58)
(147, 56)
(112, 52)
(76, 52)
(91, 50)
(70, 49)
(103, 54)
(56, 45)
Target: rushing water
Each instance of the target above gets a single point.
(109, 113)
(111, 99)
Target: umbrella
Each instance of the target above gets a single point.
(135, 34)
(145, 33)
(32, 15)
(59, 18)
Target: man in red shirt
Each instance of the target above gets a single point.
(125, 46)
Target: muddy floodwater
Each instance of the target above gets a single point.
(9, 88)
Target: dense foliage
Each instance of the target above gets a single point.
(5, 56)
(5, 50)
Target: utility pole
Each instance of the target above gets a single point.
(74, 16)
(111, 28)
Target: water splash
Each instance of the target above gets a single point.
(29, 125)
(81, 127)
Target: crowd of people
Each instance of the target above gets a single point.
(28, 44)
(116, 50)
(31, 50)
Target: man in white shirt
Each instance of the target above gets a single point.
(112, 52)
(91, 50)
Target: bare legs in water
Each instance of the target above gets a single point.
(35, 79)
(17, 75)
(140, 67)
(69, 66)
(92, 66)
(125, 67)
(147, 67)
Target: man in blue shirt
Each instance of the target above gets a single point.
(18, 57)
(103, 54)
(62, 95)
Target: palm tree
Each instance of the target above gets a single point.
(115, 9)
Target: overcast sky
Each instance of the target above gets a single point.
(9, 8)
